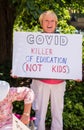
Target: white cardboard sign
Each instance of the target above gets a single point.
(18, 125)
(43, 55)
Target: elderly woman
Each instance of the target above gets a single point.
(7, 97)
(48, 89)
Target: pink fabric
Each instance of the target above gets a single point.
(15, 94)
(6, 127)
(52, 81)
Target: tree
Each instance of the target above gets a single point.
(9, 10)
(7, 17)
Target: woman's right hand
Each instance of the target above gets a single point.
(13, 76)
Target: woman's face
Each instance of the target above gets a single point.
(49, 23)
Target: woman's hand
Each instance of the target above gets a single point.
(13, 76)
(25, 119)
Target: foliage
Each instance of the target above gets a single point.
(73, 109)
(83, 51)
(28, 19)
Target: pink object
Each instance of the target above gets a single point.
(19, 116)
(15, 94)
(52, 81)
(33, 118)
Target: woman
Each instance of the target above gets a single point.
(48, 89)
(7, 97)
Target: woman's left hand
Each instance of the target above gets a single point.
(25, 119)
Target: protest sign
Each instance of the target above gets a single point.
(18, 125)
(44, 55)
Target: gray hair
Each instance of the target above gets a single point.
(45, 13)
